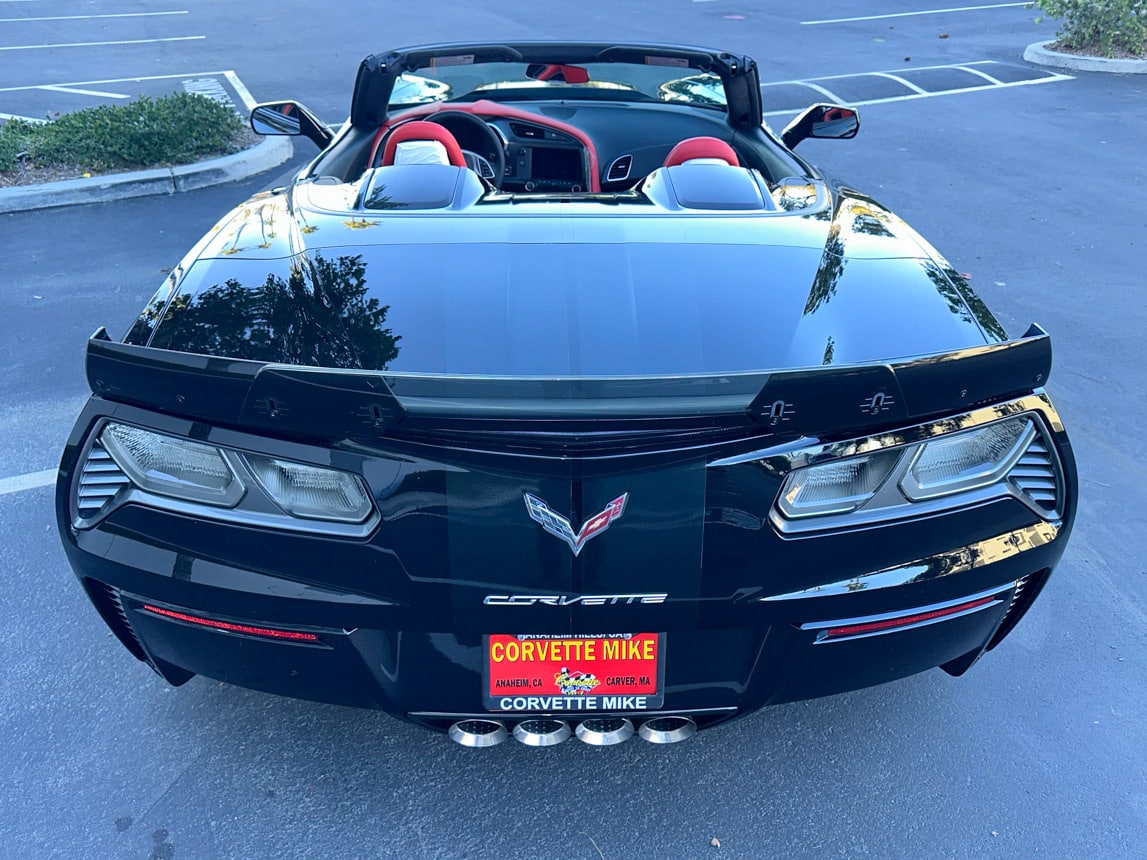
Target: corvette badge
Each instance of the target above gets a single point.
(559, 526)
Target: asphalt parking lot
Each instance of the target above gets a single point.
(1031, 180)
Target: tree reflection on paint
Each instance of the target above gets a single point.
(962, 299)
(318, 316)
(828, 274)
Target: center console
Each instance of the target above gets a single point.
(541, 159)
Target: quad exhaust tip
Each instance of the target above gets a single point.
(478, 733)
(667, 730)
(604, 731)
(595, 731)
(542, 733)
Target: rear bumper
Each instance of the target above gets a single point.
(435, 677)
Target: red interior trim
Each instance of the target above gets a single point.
(494, 109)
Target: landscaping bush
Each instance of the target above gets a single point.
(174, 129)
(1106, 28)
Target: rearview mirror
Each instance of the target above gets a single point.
(823, 121)
(292, 119)
(557, 72)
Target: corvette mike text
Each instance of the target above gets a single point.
(559, 397)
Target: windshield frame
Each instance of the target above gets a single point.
(378, 74)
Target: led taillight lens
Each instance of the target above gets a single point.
(967, 460)
(171, 466)
(311, 492)
(837, 487)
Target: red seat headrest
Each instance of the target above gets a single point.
(701, 147)
(422, 130)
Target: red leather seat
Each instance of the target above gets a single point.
(702, 147)
(421, 130)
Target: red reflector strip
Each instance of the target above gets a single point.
(233, 628)
(906, 620)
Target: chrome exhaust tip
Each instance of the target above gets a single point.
(667, 730)
(478, 733)
(542, 733)
(604, 731)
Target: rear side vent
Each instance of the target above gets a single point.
(1036, 476)
(620, 168)
(107, 600)
(1026, 590)
(100, 480)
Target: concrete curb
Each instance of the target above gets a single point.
(1039, 54)
(272, 152)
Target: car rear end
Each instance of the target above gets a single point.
(561, 558)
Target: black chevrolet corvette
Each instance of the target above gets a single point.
(558, 396)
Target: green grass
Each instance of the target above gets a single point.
(175, 129)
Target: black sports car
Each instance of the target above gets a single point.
(558, 395)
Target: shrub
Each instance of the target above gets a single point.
(173, 129)
(1102, 27)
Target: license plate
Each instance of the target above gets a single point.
(610, 672)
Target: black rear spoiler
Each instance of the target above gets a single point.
(347, 404)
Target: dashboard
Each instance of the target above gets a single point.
(560, 146)
(541, 159)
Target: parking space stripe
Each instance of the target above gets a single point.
(910, 14)
(899, 72)
(929, 95)
(240, 89)
(23, 118)
(981, 74)
(827, 93)
(30, 481)
(902, 81)
(80, 92)
(99, 44)
(115, 80)
(86, 17)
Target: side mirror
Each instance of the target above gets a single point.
(824, 121)
(292, 119)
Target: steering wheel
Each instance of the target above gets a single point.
(490, 162)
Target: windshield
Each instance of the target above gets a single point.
(459, 78)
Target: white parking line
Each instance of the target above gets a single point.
(17, 116)
(80, 92)
(30, 481)
(86, 17)
(902, 81)
(240, 89)
(914, 96)
(909, 14)
(963, 66)
(99, 44)
(978, 73)
(827, 93)
(115, 80)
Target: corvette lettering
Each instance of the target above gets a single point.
(559, 526)
(570, 599)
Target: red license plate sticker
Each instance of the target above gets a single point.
(611, 672)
